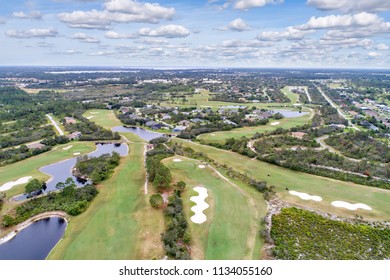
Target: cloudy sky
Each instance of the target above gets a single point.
(196, 33)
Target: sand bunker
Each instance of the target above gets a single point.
(177, 160)
(212, 134)
(76, 154)
(10, 185)
(275, 123)
(94, 113)
(201, 166)
(351, 206)
(90, 117)
(201, 205)
(67, 148)
(306, 196)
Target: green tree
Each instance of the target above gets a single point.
(181, 185)
(33, 186)
(156, 200)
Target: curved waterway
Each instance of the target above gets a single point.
(35, 241)
(62, 170)
(143, 133)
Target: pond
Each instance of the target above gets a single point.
(62, 170)
(143, 133)
(35, 241)
(291, 114)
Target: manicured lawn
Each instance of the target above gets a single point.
(30, 166)
(120, 223)
(292, 96)
(329, 189)
(249, 131)
(233, 218)
(104, 118)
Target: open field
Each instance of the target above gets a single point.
(201, 100)
(233, 217)
(30, 166)
(104, 118)
(328, 189)
(249, 131)
(120, 223)
(292, 96)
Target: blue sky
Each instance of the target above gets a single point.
(202, 33)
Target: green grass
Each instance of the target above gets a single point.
(104, 118)
(249, 131)
(30, 166)
(120, 223)
(233, 225)
(201, 100)
(292, 96)
(329, 189)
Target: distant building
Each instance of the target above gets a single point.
(36, 146)
(179, 128)
(74, 135)
(184, 123)
(299, 135)
(70, 120)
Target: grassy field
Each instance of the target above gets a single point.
(329, 189)
(249, 131)
(104, 118)
(233, 218)
(120, 223)
(292, 96)
(201, 100)
(30, 166)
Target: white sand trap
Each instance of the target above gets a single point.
(306, 196)
(10, 185)
(275, 123)
(201, 166)
(201, 205)
(94, 113)
(297, 104)
(351, 206)
(67, 148)
(177, 160)
(212, 134)
(90, 117)
(76, 154)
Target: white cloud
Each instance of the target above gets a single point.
(2, 20)
(85, 38)
(122, 11)
(351, 5)
(167, 31)
(153, 41)
(32, 15)
(382, 47)
(136, 8)
(116, 35)
(335, 21)
(71, 52)
(374, 54)
(102, 53)
(247, 4)
(291, 33)
(32, 33)
(236, 25)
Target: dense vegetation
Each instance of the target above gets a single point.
(301, 234)
(360, 145)
(158, 173)
(96, 168)
(176, 237)
(70, 199)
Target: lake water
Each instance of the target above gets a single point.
(35, 241)
(143, 133)
(62, 170)
(291, 114)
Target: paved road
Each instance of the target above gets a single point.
(55, 125)
(338, 109)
